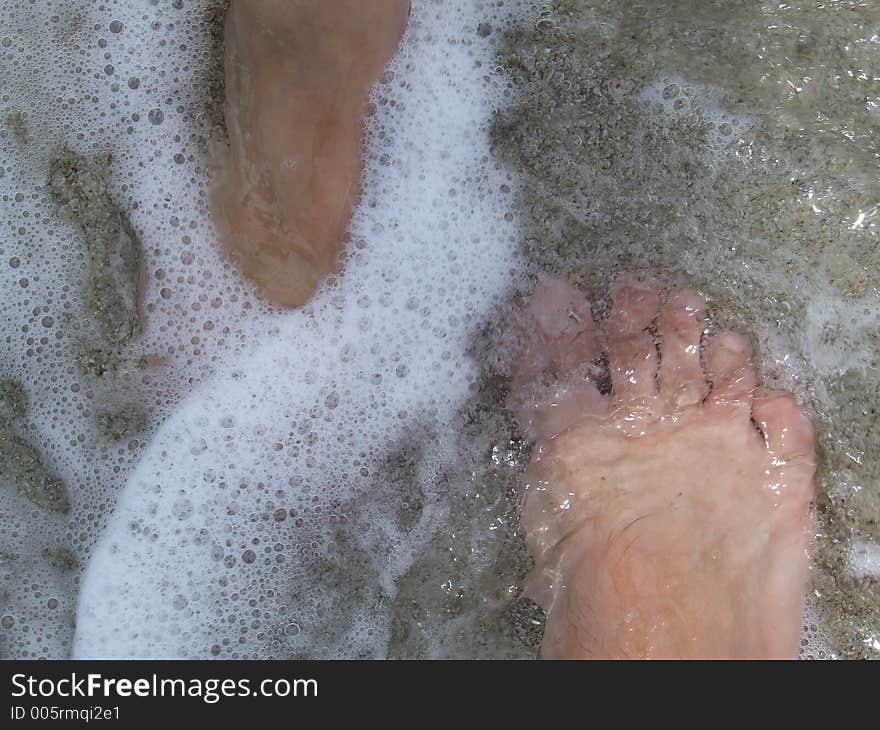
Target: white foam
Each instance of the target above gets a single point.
(865, 559)
(65, 66)
(296, 419)
(672, 96)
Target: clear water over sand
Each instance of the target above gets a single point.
(734, 148)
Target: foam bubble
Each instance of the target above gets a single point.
(257, 514)
(231, 528)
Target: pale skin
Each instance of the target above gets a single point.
(298, 78)
(669, 517)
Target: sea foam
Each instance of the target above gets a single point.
(217, 540)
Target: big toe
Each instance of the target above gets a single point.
(788, 431)
(791, 447)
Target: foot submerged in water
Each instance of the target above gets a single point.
(668, 512)
(298, 76)
(671, 516)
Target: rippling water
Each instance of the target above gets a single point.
(366, 505)
(735, 145)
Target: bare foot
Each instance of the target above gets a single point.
(671, 517)
(298, 75)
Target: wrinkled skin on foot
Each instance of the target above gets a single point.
(298, 76)
(672, 516)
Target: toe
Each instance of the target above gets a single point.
(791, 450)
(559, 308)
(554, 342)
(565, 318)
(544, 412)
(632, 357)
(730, 371)
(681, 325)
(554, 334)
(788, 431)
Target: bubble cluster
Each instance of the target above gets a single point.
(96, 218)
(259, 520)
(340, 480)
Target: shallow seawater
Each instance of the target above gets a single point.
(735, 146)
(188, 472)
